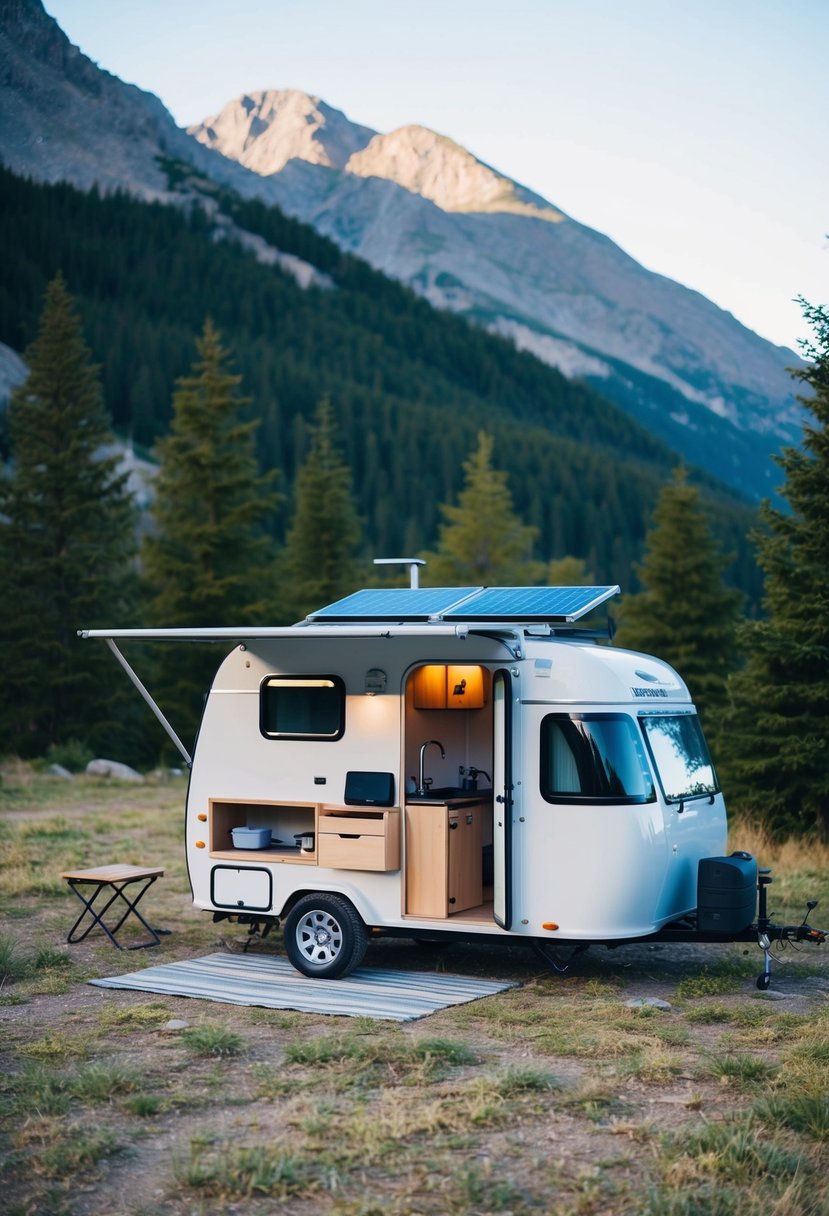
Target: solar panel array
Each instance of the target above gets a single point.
(529, 604)
(394, 604)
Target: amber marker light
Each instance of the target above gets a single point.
(199, 844)
(549, 924)
(202, 818)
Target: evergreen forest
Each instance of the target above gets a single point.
(410, 388)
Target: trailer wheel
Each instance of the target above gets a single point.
(763, 981)
(324, 936)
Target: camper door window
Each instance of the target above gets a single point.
(594, 758)
(302, 707)
(680, 755)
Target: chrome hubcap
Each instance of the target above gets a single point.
(319, 937)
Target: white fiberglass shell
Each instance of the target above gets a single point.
(600, 872)
(605, 871)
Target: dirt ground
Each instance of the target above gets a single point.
(557, 1096)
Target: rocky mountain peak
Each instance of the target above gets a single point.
(437, 168)
(265, 129)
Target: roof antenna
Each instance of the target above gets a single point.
(411, 562)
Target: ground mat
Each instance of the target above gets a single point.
(242, 979)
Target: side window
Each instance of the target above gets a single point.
(593, 758)
(302, 707)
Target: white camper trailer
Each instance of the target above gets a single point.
(438, 761)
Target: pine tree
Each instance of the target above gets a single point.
(319, 563)
(482, 541)
(776, 746)
(685, 613)
(210, 559)
(568, 571)
(65, 547)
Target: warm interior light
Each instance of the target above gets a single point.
(284, 682)
(464, 687)
(439, 686)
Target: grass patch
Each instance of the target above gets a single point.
(358, 1058)
(213, 1041)
(476, 1190)
(245, 1172)
(745, 1072)
(653, 1067)
(731, 1169)
(54, 1046)
(74, 1152)
(709, 1015)
(145, 1106)
(807, 1114)
(735, 1151)
(49, 1091)
(133, 1017)
(14, 961)
(729, 975)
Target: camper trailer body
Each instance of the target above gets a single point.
(457, 761)
(549, 717)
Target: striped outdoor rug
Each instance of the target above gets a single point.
(242, 979)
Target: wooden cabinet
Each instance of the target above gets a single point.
(448, 686)
(359, 840)
(443, 859)
(341, 837)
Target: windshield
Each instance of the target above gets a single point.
(680, 755)
(593, 758)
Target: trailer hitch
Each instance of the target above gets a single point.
(767, 932)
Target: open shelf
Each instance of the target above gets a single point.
(285, 819)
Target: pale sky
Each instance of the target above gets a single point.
(692, 132)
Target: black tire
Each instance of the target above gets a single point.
(324, 936)
(763, 981)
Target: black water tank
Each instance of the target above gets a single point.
(726, 893)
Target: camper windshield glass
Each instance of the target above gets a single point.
(593, 758)
(680, 755)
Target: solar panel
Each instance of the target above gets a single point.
(531, 603)
(394, 604)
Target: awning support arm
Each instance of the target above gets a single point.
(152, 703)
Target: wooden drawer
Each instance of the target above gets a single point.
(360, 824)
(352, 848)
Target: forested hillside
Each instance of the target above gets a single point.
(410, 387)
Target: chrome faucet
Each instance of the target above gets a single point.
(423, 781)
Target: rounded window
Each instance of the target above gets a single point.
(594, 758)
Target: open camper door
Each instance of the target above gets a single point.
(502, 786)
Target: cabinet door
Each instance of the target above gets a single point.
(465, 858)
(426, 861)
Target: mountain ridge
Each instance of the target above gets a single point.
(684, 368)
(562, 290)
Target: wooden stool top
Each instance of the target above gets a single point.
(112, 873)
